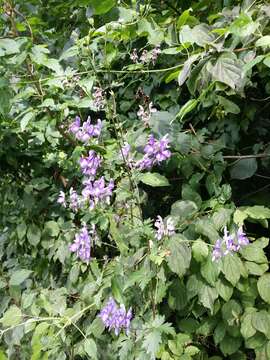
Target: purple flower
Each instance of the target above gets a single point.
(116, 318)
(217, 251)
(75, 126)
(62, 199)
(97, 191)
(164, 228)
(73, 199)
(98, 97)
(229, 244)
(87, 131)
(90, 164)
(82, 245)
(155, 152)
(242, 237)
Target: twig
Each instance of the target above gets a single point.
(246, 156)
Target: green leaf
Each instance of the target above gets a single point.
(210, 271)
(231, 266)
(243, 169)
(231, 312)
(51, 228)
(219, 332)
(26, 119)
(263, 41)
(116, 290)
(247, 330)
(9, 47)
(101, 7)
(256, 269)
(185, 72)
(184, 209)
(206, 228)
(154, 179)
(224, 289)
(183, 18)
(258, 212)
(12, 316)
(180, 255)
(152, 342)
(243, 26)
(264, 287)
(230, 345)
(199, 250)
(227, 70)
(228, 105)
(191, 350)
(207, 296)
(18, 277)
(90, 348)
(261, 322)
(33, 234)
(254, 253)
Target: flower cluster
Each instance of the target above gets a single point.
(229, 243)
(87, 131)
(146, 56)
(116, 317)
(90, 164)
(164, 227)
(82, 243)
(98, 97)
(96, 191)
(145, 114)
(74, 201)
(154, 152)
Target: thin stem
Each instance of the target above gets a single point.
(246, 156)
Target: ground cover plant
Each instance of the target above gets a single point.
(134, 180)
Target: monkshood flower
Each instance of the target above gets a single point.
(97, 191)
(62, 199)
(87, 131)
(126, 150)
(74, 202)
(82, 244)
(116, 317)
(98, 96)
(229, 243)
(155, 152)
(164, 227)
(145, 114)
(90, 164)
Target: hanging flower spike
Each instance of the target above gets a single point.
(98, 96)
(229, 242)
(116, 318)
(89, 165)
(73, 200)
(164, 228)
(87, 131)
(217, 251)
(82, 245)
(242, 237)
(75, 126)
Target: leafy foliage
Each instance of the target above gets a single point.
(193, 72)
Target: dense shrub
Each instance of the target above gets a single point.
(134, 154)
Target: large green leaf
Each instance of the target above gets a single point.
(180, 255)
(228, 70)
(264, 287)
(243, 169)
(101, 6)
(18, 277)
(154, 179)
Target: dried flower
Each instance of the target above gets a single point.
(144, 57)
(164, 228)
(116, 318)
(134, 56)
(154, 54)
(98, 96)
(145, 114)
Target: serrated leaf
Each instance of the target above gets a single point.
(152, 342)
(230, 268)
(261, 322)
(207, 296)
(180, 255)
(33, 234)
(12, 316)
(18, 277)
(200, 250)
(154, 179)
